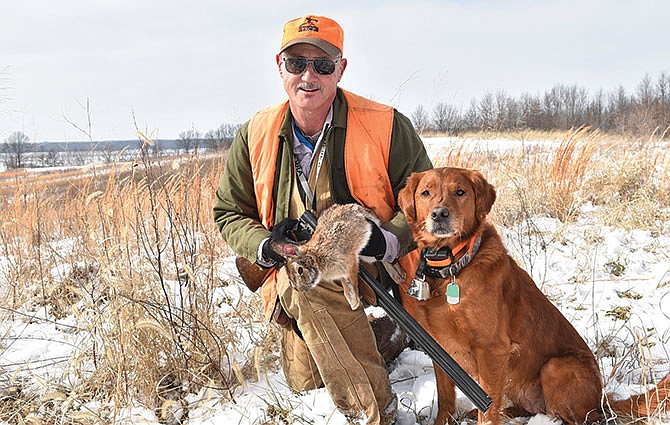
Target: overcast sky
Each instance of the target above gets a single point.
(198, 64)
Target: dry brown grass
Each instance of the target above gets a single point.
(629, 178)
(130, 251)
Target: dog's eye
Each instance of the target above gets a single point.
(425, 193)
(460, 192)
(300, 270)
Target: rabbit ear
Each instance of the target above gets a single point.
(284, 249)
(290, 250)
(351, 292)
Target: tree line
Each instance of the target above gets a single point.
(213, 140)
(641, 113)
(18, 151)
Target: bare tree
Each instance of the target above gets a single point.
(663, 89)
(575, 101)
(551, 104)
(471, 120)
(596, 112)
(507, 111)
(16, 147)
(645, 92)
(619, 106)
(487, 112)
(420, 120)
(532, 115)
(49, 158)
(663, 102)
(107, 151)
(189, 140)
(221, 138)
(445, 118)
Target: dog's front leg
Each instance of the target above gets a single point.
(492, 380)
(446, 398)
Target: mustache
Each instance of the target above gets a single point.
(306, 85)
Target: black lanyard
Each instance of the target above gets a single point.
(302, 179)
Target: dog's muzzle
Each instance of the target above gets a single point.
(439, 222)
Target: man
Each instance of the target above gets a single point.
(322, 146)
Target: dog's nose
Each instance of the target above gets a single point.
(439, 214)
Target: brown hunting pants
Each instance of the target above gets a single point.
(338, 350)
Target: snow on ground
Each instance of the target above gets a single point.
(575, 275)
(435, 145)
(610, 283)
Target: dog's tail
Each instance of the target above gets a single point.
(651, 403)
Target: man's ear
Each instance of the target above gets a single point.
(406, 196)
(343, 66)
(485, 194)
(278, 60)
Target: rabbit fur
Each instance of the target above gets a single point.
(342, 232)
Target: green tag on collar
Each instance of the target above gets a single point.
(453, 293)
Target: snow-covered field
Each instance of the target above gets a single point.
(611, 284)
(577, 276)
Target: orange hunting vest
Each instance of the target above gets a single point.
(366, 158)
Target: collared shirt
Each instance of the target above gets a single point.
(304, 154)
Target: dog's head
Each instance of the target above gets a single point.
(445, 205)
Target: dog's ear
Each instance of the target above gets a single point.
(406, 196)
(485, 194)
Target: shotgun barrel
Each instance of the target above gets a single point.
(422, 338)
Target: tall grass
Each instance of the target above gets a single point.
(131, 254)
(627, 177)
(127, 260)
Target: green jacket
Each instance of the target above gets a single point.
(235, 210)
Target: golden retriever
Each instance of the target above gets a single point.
(499, 326)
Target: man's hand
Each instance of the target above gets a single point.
(289, 231)
(285, 231)
(376, 246)
(270, 258)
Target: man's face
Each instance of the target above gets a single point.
(309, 89)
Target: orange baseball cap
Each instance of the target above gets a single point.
(319, 31)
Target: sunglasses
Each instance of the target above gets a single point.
(321, 66)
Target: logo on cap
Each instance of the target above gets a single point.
(309, 25)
